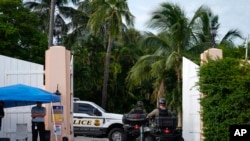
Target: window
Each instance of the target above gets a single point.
(83, 108)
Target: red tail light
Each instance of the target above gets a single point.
(166, 131)
(137, 127)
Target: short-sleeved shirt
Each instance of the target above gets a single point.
(156, 112)
(38, 110)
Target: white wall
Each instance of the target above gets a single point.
(14, 71)
(190, 99)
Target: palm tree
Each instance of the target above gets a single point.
(108, 16)
(79, 33)
(159, 68)
(46, 10)
(177, 37)
(173, 41)
(202, 31)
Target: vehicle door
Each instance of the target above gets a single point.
(87, 120)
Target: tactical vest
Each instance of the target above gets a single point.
(163, 112)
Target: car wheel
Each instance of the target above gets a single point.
(115, 134)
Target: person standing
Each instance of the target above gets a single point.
(1, 113)
(38, 127)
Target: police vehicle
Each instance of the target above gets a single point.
(91, 120)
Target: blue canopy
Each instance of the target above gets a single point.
(23, 95)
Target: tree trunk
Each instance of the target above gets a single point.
(179, 119)
(161, 89)
(179, 78)
(51, 23)
(106, 74)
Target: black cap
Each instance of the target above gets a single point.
(139, 103)
(162, 101)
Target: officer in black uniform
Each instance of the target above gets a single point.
(162, 110)
(138, 109)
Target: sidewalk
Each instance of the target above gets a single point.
(82, 138)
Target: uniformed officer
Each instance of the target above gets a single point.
(38, 113)
(139, 109)
(162, 110)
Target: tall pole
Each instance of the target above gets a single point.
(213, 34)
(51, 23)
(246, 45)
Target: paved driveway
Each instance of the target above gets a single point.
(81, 138)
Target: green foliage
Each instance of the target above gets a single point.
(19, 33)
(225, 85)
(88, 69)
(234, 52)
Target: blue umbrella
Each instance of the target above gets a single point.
(23, 95)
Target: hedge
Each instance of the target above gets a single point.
(225, 84)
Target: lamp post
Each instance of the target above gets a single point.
(213, 31)
(57, 91)
(58, 32)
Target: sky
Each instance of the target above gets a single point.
(233, 14)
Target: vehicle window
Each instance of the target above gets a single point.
(83, 108)
(75, 108)
(97, 112)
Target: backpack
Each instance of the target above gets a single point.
(137, 111)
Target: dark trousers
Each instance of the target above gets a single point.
(38, 128)
(0, 123)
